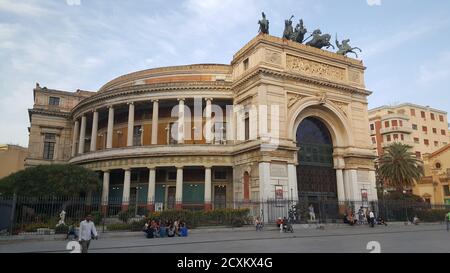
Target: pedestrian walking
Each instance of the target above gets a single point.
(87, 233)
(372, 218)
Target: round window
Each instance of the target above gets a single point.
(438, 165)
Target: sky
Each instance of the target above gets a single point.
(82, 44)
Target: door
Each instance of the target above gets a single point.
(171, 197)
(220, 197)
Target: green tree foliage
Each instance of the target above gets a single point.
(51, 180)
(399, 167)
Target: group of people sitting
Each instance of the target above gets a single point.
(161, 229)
(363, 218)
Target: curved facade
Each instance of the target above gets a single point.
(211, 135)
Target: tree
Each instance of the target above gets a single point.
(51, 180)
(398, 167)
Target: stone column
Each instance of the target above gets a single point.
(155, 120)
(208, 205)
(151, 189)
(181, 124)
(94, 131)
(179, 189)
(105, 191)
(373, 186)
(109, 134)
(76, 128)
(264, 188)
(351, 185)
(340, 186)
(292, 181)
(126, 189)
(208, 124)
(82, 135)
(130, 124)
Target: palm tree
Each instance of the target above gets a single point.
(398, 167)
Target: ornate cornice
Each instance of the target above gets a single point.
(149, 88)
(160, 71)
(48, 113)
(294, 76)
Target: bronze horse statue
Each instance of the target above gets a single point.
(288, 29)
(263, 24)
(299, 32)
(345, 47)
(319, 41)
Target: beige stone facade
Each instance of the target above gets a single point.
(423, 128)
(12, 159)
(272, 86)
(434, 186)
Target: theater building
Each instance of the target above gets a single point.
(281, 121)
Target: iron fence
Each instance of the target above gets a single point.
(31, 215)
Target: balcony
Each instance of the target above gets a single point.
(157, 150)
(406, 142)
(397, 129)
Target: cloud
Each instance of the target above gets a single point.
(22, 9)
(373, 2)
(393, 40)
(435, 70)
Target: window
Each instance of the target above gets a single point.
(386, 124)
(436, 143)
(443, 132)
(395, 136)
(220, 175)
(441, 118)
(171, 175)
(422, 114)
(414, 126)
(372, 127)
(434, 131)
(416, 140)
(137, 135)
(374, 141)
(432, 116)
(49, 146)
(426, 142)
(247, 128)
(53, 101)
(401, 122)
(418, 155)
(245, 64)
(394, 123)
(413, 112)
(424, 129)
(446, 190)
(388, 138)
(402, 137)
(172, 134)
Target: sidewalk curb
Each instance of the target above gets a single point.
(123, 234)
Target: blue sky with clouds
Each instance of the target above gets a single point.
(82, 44)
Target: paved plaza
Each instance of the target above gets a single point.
(392, 239)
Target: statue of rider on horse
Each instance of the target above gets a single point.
(318, 40)
(345, 47)
(263, 24)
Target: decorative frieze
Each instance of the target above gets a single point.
(313, 68)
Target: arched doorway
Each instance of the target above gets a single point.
(316, 176)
